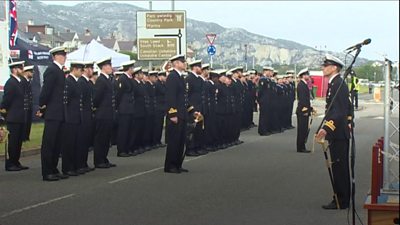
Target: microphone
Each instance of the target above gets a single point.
(359, 45)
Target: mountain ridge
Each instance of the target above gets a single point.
(104, 19)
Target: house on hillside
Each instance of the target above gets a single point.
(126, 46)
(87, 37)
(108, 42)
(71, 40)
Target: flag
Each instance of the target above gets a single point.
(13, 22)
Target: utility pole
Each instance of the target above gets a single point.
(237, 57)
(245, 55)
(173, 5)
(151, 9)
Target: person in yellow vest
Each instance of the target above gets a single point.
(355, 87)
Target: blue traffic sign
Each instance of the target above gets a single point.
(211, 50)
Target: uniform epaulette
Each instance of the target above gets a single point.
(330, 124)
(172, 111)
(190, 109)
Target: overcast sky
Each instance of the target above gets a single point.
(330, 25)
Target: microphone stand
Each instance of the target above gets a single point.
(353, 146)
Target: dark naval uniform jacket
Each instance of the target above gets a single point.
(303, 95)
(103, 100)
(139, 91)
(87, 89)
(160, 96)
(72, 101)
(51, 95)
(177, 96)
(195, 86)
(340, 114)
(13, 101)
(124, 95)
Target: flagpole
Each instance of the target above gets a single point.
(7, 19)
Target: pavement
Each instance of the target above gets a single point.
(263, 181)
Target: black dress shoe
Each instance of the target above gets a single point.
(134, 153)
(182, 170)
(123, 154)
(211, 149)
(62, 176)
(89, 169)
(111, 164)
(51, 177)
(191, 153)
(331, 205)
(23, 167)
(201, 152)
(81, 171)
(304, 151)
(102, 166)
(13, 168)
(71, 173)
(173, 170)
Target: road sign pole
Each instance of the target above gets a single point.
(211, 62)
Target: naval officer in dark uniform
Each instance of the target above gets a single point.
(28, 99)
(72, 109)
(52, 109)
(160, 110)
(292, 97)
(12, 107)
(86, 128)
(104, 104)
(303, 110)
(125, 104)
(139, 113)
(336, 129)
(220, 95)
(194, 84)
(238, 95)
(150, 109)
(178, 113)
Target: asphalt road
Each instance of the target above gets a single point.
(263, 181)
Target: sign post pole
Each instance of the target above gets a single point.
(211, 50)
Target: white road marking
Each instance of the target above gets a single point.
(36, 205)
(135, 175)
(148, 171)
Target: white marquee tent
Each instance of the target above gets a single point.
(95, 51)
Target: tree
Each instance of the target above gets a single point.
(370, 72)
(132, 55)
